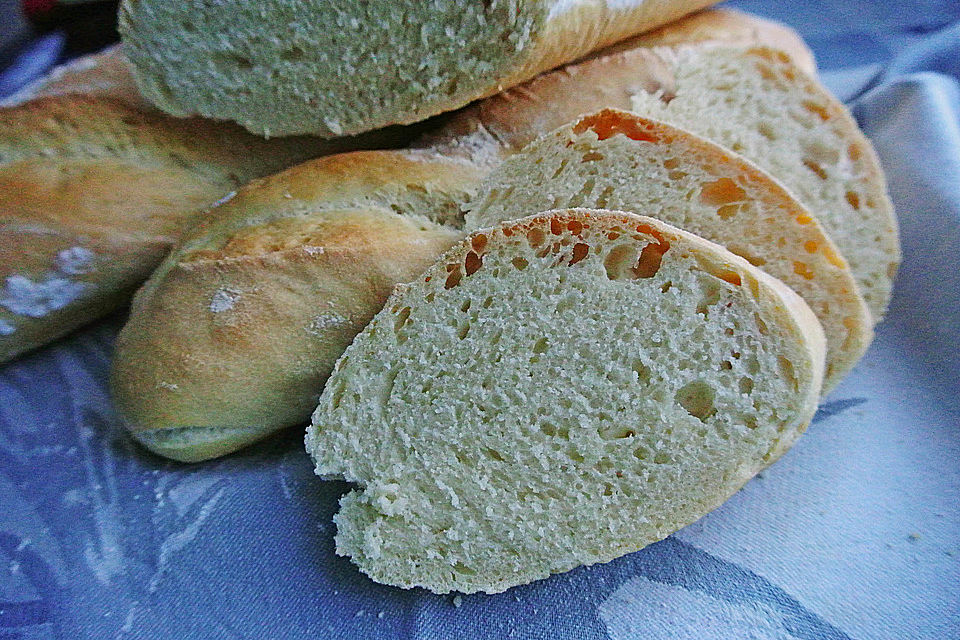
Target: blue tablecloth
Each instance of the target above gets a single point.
(855, 533)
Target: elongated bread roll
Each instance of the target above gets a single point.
(551, 394)
(283, 67)
(261, 299)
(622, 161)
(94, 190)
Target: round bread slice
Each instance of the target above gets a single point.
(233, 336)
(622, 161)
(757, 103)
(559, 391)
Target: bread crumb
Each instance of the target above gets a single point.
(457, 601)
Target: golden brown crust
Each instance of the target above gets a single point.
(290, 269)
(99, 174)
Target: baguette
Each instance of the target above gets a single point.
(197, 423)
(547, 395)
(285, 67)
(268, 291)
(621, 161)
(94, 190)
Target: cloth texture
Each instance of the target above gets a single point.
(854, 534)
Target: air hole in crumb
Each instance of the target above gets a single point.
(293, 54)
(466, 305)
(650, 258)
(818, 109)
(815, 167)
(536, 237)
(746, 385)
(697, 398)
(592, 156)
(767, 130)
(402, 316)
(493, 454)
(853, 199)
(454, 278)
(580, 251)
(721, 192)
(472, 263)
(430, 296)
(642, 371)
(617, 433)
(541, 345)
(479, 242)
(487, 302)
(761, 325)
(665, 286)
(786, 368)
(463, 569)
(641, 453)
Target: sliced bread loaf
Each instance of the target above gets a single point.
(559, 391)
(617, 160)
(282, 67)
(264, 295)
(760, 105)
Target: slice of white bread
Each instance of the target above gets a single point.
(94, 191)
(559, 391)
(617, 160)
(260, 300)
(757, 103)
(282, 67)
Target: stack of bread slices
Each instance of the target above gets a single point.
(538, 330)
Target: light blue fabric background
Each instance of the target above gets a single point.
(855, 533)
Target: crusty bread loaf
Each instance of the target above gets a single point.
(266, 293)
(282, 67)
(94, 191)
(198, 423)
(559, 391)
(621, 161)
(757, 103)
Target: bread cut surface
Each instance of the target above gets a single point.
(617, 160)
(757, 103)
(283, 67)
(263, 297)
(559, 391)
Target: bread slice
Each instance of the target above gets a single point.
(283, 67)
(617, 160)
(559, 391)
(760, 105)
(94, 191)
(260, 300)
